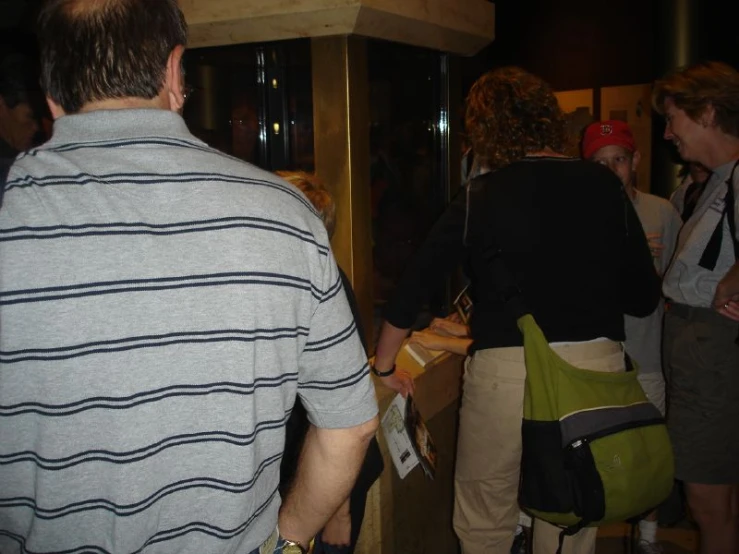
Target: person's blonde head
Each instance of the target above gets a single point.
(316, 193)
(511, 113)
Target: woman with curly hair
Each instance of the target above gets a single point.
(575, 245)
(700, 104)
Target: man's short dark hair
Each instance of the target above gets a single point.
(93, 50)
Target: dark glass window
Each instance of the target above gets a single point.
(409, 152)
(254, 101)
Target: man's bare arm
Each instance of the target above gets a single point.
(388, 345)
(328, 467)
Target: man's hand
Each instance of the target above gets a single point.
(400, 381)
(726, 299)
(338, 530)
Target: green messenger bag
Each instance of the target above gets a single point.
(595, 450)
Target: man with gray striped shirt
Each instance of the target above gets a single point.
(161, 305)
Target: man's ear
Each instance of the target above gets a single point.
(635, 159)
(174, 83)
(56, 110)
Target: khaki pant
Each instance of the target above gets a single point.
(489, 449)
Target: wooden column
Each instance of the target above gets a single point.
(680, 30)
(341, 130)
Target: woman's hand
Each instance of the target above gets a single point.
(433, 341)
(729, 309)
(445, 326)
(430, 340)
(726, 299)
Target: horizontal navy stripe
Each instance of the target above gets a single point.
(149, 341)
(208, 529)
(144, 397)
(143, 178)
(295, 331)
(340, 384)
(327, 342)
(148, 178)
(141, 228)
(128, 457)
(180, 278)
(148, 289)
(117, 143)
(79, 290)
(128, 510)
(137, 142)
(86, 549)
(332, 291)
(160, 537)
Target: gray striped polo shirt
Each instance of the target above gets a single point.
(161, 304)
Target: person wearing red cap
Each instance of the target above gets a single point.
(612, 144)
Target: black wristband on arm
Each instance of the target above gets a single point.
(379, 373)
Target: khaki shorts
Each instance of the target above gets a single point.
(702, 372)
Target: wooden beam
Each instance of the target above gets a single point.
(342, 156)
(457, 26)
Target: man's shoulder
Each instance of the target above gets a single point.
(162, 154)
(191, 172)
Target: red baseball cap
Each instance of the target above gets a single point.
(606, 133)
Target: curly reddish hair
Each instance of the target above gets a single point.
(316, 193)
(511, 113)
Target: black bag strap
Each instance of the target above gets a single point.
(692, 195)
(713, 247)
(730, 209)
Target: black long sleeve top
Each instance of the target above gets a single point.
(570, 237)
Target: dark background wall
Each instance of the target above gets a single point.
(589, 44)
(16, 24)
(576, 44)
(573, 44)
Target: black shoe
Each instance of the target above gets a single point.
(519, 544)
